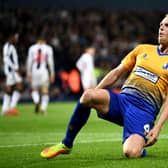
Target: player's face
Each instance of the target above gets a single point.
(15, 38)
(163, 32)
(92, 51)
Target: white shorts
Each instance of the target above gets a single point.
(13, 78)
(88, 81)
(39, 80)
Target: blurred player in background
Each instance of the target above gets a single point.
(40, 73)
(13, 79)
(85, 65)
(136, 107)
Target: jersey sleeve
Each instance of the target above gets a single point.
(15, 58)
(29, 61)
(130, 59)
(82, 63)
(79, 64)
(51, 60)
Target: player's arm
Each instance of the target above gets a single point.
(127, 64)
(51, 65)
(112, 77)
(29, 65)
(81, 63)
(15, 59)
(154, 133)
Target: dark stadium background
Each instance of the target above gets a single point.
(123, 23)
(78, 4)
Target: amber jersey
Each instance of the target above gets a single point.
(149, 74)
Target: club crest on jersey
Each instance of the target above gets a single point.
(165, 66)
(145, 55)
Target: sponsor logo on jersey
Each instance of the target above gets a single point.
(146, 74)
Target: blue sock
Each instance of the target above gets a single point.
(144, 153)
(77, 121)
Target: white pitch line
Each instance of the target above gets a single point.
(114, 139)
(51, 143)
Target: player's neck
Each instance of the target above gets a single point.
(163, 49)
(41, 41)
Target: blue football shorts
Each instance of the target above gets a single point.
(134, 114)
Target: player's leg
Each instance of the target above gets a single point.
(36, 98)
(44, 99)
(16, 97)
(133, 147)
(98, 99)
(78, 119)
(6, 100)
(35, 91)
(9, 84)
(138, 120)
(17, 81)
(91, 98)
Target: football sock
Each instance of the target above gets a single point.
(77, 121)
(144, 153)
(6, 102)
(44, 102)
(15, 98)
(35, 96)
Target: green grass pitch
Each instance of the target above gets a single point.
(99, 144)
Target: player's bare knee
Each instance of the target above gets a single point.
(86, 97)
(133, 146)
(131, 152)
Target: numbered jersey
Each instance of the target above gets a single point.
(149, 75)
(40, 62)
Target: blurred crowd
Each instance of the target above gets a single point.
(113, 33)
